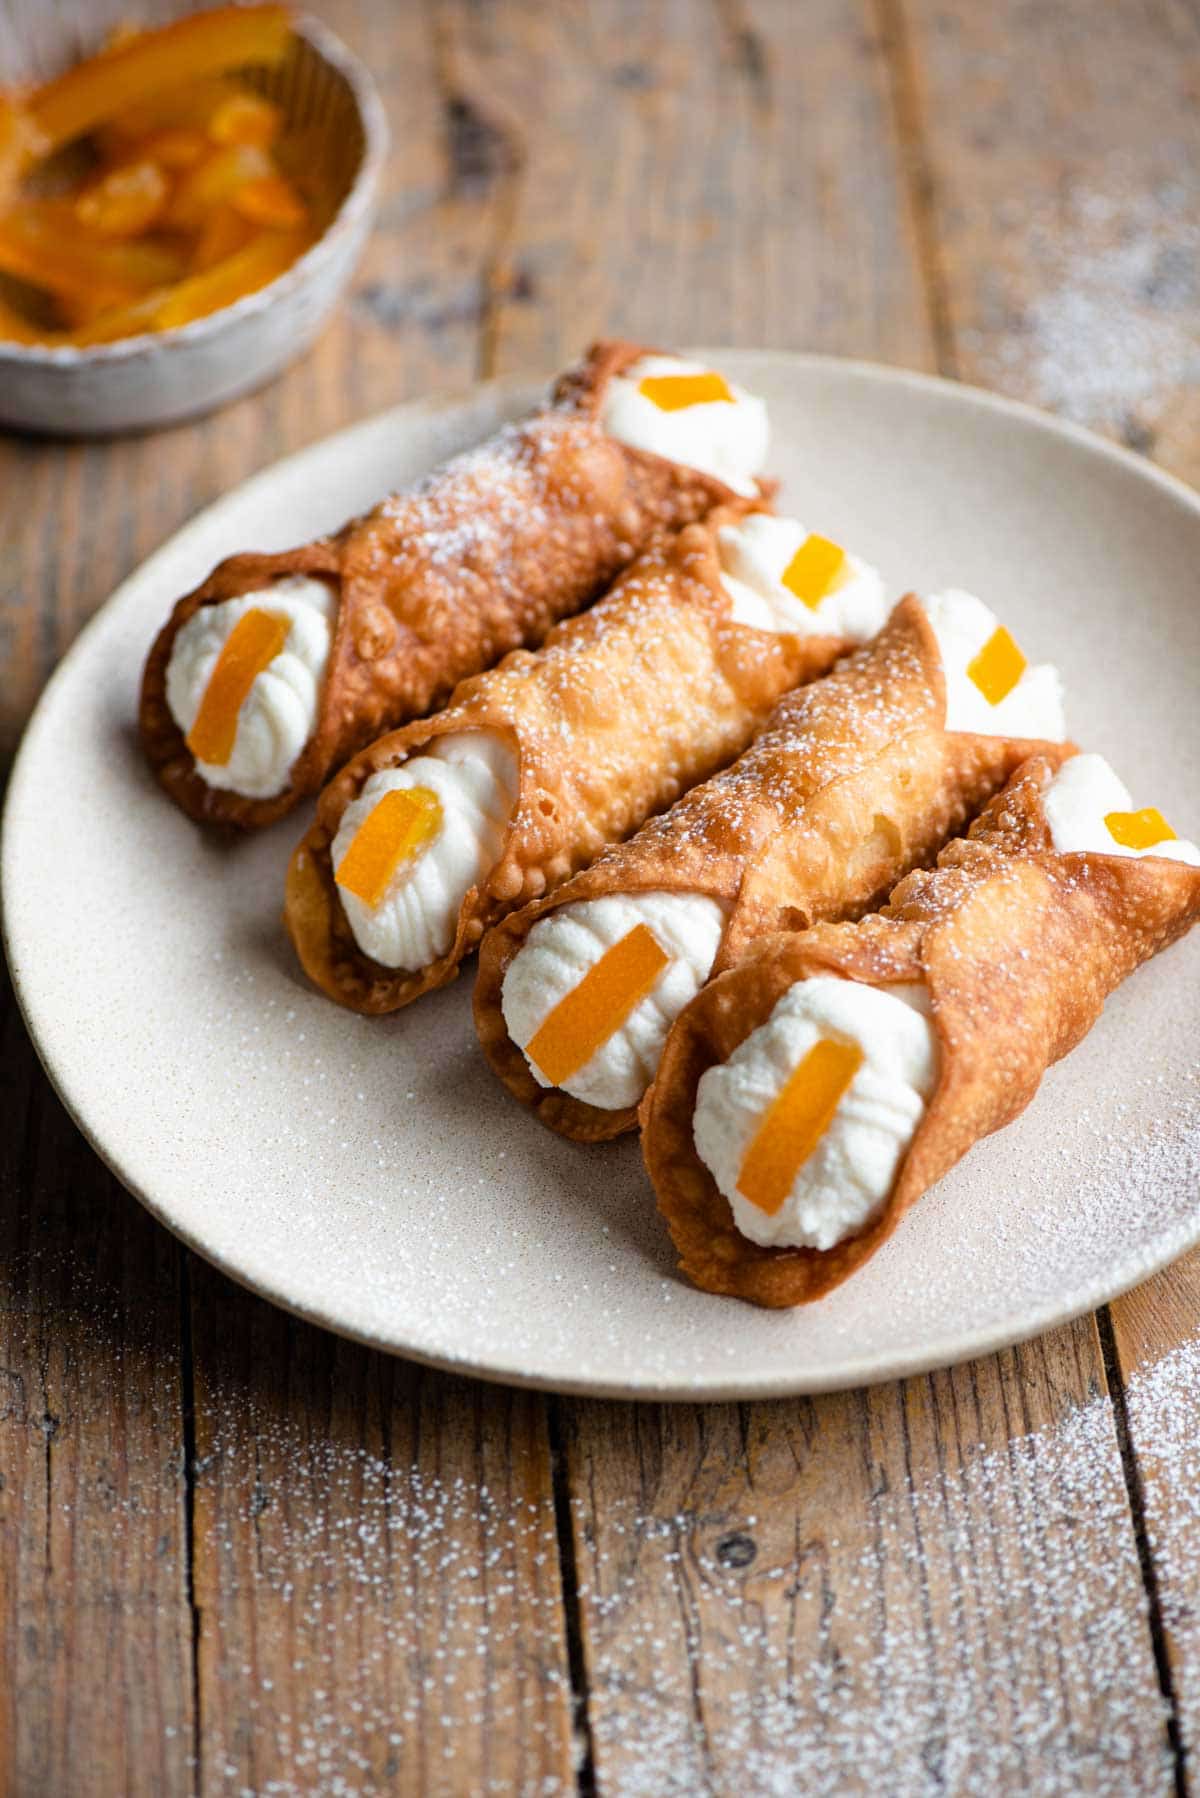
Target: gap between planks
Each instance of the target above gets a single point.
(917, 164)
(1136, 1491)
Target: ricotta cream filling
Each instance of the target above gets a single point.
(279, 713)
(844, 1181)
(561, 949)
(473, 775)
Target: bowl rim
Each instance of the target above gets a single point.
(358, 199)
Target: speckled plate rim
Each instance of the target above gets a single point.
(850, 1372)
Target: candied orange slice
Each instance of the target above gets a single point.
(271, 201)
(189, 107)
(173, 147)
(246, 118)
(225, 233)
(796, 1120)
(998, 666)
(1139, 830)
(253, 643)
(262, 260)
(124, 202)
(200, 44)
(815, 570)
(671, 393)
(213, 181)
(402, 823)
(40, 243)
(591, 1012)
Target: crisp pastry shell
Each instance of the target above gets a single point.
(621, 710)
(853, 782)
(434, 584)
(1018, 946)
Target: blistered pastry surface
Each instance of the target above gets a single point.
(624, 707)
(1019, 947)
(854, 781)
(482, 556)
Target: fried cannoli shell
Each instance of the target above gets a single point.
(483, 556)
(620, 711)
(1018, 946)
(853, 782)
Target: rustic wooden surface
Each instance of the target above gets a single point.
(237, 1555)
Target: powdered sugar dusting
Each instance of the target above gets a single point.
(977, 1631)
(1113, 328)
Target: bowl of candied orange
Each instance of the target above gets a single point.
(179, 213)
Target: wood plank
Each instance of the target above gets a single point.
(1062, 149)
(924, 1587)
(95, 1628)
(1058, 149)
(343, 1542)
(827, 1596)
(375, 1568)
(681, 178)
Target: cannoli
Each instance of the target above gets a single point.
(279, 667)
(854, 781)
(436, 831)
(811, 1095)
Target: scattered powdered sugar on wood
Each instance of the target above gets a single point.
(980, 1632)
(1111, 328)
(976, 1625)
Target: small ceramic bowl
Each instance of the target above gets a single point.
(335, 115)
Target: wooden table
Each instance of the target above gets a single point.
(238, 1555)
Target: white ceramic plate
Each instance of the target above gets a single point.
(371, 1175)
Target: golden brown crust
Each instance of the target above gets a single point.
(853, 782)
(1019, 947)
(435, 584)
(621, 710)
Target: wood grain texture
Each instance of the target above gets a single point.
(95, 1633)
(685, 173)
(1059, 152)
(925, 1587)
(376, 1572)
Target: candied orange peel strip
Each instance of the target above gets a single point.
(262, 260)
(224, 234)
(671, 393)
(253, 643)
(1139, 830)
(246, 118)
(212, 181)
(271, 201)
(795, 1122)
(998, 666)
(397, 828)
(591, 1012)
(40, 243)
(124, 202)
(815, 570)
(190, 106)
(173, 147)
(201, 44)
